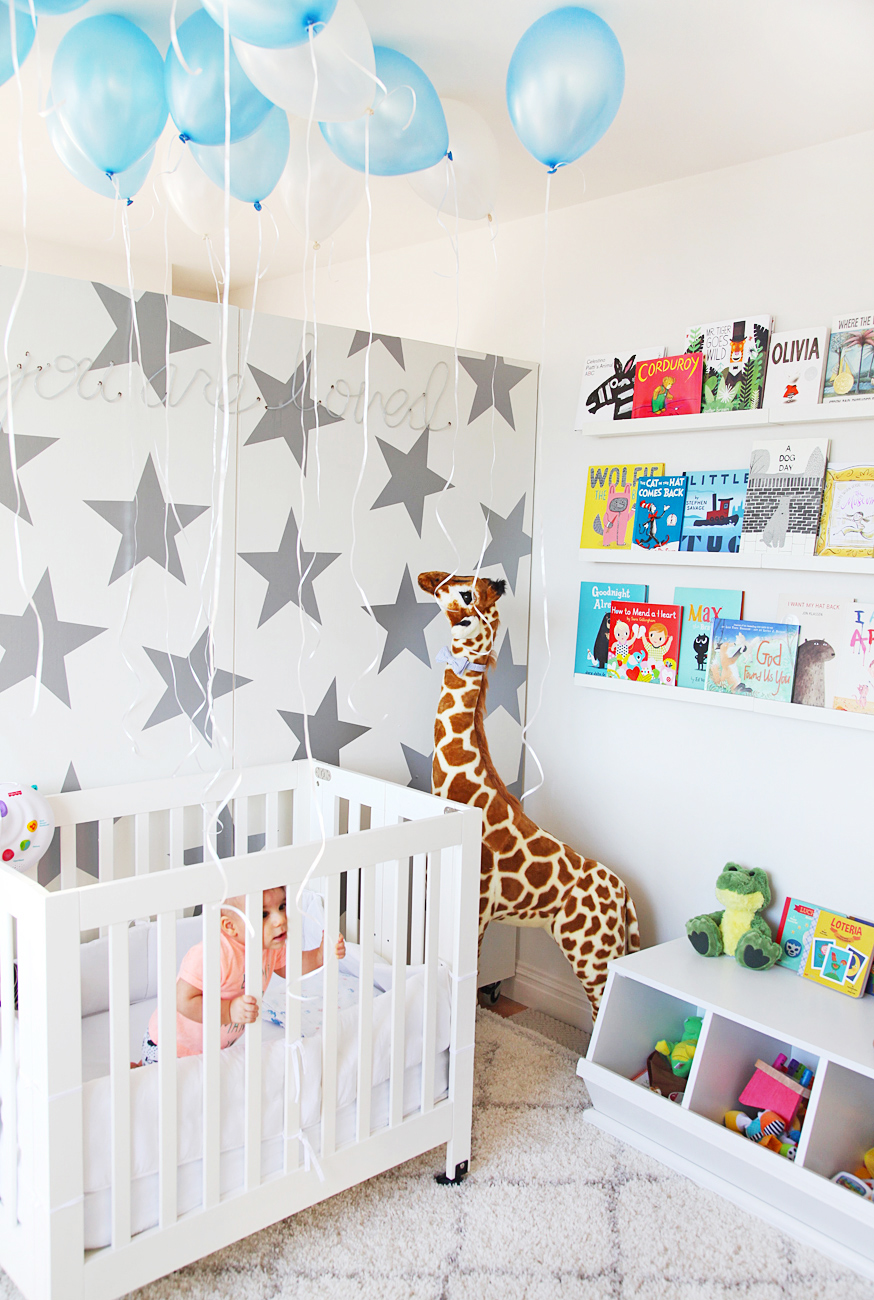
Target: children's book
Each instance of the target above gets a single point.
(796, 932)
(846, 526)
(796, 362)
(668, 386)
(644, 643)
(855, 677)
(850, 358)
(823, 623)
(607, 390)
(840, 953)
(611, 495)
(714, 510)
(735, 362)
(784, 496)
(752, 659)
(658, 517)
(593, 622)
(701, 606)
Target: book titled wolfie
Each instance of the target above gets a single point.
(668, 386)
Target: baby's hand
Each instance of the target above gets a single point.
(244, 1010)
(340, 950)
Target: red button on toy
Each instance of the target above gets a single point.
(8, 855)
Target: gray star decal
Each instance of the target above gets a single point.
(283, 575)
(186, 679)
(19, 636)
(405, 622)
(291, 412)
(419, 767)
(508, 542)
(328, 735)
(390, 342)
(493, 379)
(148, 526)
(224, 841)
(411, 479)
(26, 447)
(504, 682)
(86, 842)
(152, 325)
(518, 786)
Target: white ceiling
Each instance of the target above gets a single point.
(708, 85)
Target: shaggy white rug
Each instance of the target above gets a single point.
(553, 1209)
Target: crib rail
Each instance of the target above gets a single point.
(398, 874)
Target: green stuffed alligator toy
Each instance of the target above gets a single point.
(738, 930)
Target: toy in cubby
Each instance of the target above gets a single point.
(861, 1179)
(780, 1093)
(668, 1064)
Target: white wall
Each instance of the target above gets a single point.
(663, 792)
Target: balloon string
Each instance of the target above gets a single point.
(538, 451)
(10, 393)
(452, 182)
(174, 40)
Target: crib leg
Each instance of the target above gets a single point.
(461, 1172)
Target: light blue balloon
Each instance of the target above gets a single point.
(256, 162)
(78, 165)
(272, 23)
(564, 85)
(108, 83)
(197, 99)
(407, 134)
(49, 6)
(25, 31)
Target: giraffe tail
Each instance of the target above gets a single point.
(632, 930)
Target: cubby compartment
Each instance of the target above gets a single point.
(842, 1126)
(727, 1061)
(632, 1020)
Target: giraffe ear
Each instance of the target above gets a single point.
(431, 581)
(489, 590)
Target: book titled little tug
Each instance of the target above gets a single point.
(668, 386)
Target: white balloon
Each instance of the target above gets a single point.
(335, 190)
(194, 198)
(345, 64)
(475, 165)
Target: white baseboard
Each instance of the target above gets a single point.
(541, 991)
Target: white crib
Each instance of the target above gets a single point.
(409, 878)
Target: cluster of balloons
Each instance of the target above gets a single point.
(229, 95)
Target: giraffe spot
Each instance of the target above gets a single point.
(542, 846)
(586, 882)
(586, 947)
(547, 899)
(527, 900)
(500, 841)
(439, 732)
(497, 811)
(567, 944)
(460, 722)
(469, 699)
(483, 904)
(455, 754)
(538, 874)
(460, 789)
(438, 776)
(603, 892)
(511, 888)
(590, 864)
(514, 863)
(594, 925)
(482, 799)
(574, 924)
(565, 876)
(447, 702)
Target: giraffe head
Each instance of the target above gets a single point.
(470, 605)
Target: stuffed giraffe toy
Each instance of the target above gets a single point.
(528, 877)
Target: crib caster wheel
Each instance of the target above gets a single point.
(461, 1172)
(491, 992)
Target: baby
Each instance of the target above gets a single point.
(238, 1008)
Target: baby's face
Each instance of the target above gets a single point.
(622, 631)
(657, 639)
(274, 919)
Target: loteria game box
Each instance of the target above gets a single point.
(827, 947)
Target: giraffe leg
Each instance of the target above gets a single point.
(590, 930)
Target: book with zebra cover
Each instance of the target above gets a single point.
(735, 362)
(784, 496)
(607, 390)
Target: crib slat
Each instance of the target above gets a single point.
(432, 927)
(9, 1171)
(365, 1003)
(177, 838)
(417, 911)
(211, 1049)
(241, 824)
(210, 830)
(329, 1017)
(292, 1032)
(167, 1068)
(141, 844)
(272, 801)
(68, 857)
(254, 985)
(119, 1081)
(105, 849)
(398, 991)
(353, 878)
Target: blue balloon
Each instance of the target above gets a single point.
(49, 6)
(564, 85)
(197, 99)
(78, 165)
(256, 162)
(25, 31)
(272, 23)
(407, 130)
(108, 83)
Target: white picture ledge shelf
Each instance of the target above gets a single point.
(722, 700)
(719, 421)
(731, 560)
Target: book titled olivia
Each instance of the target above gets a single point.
(644, 644)
(668, 386)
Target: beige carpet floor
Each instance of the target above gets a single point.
(553, 1209)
